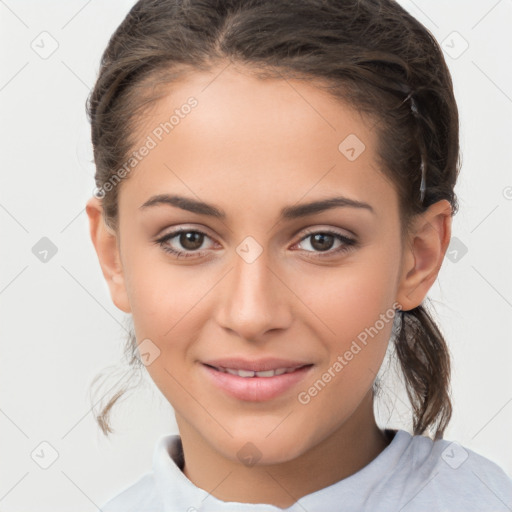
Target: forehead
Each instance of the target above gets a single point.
(236, 137)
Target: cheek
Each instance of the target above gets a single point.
(166, 304)
(161, 293)
(353, 296)
(362, 326)
(354, 312)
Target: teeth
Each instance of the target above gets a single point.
(268, 373)
(245, 373)
(249, 373)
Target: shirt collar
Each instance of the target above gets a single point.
(177, 492)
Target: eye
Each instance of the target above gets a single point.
(190, 240)
(323, 241)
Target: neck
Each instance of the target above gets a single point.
(347, 450)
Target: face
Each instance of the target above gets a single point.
(258, 280)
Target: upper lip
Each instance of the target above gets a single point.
(255, 365)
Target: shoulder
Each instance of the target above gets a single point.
(141, 496)
(446, 474)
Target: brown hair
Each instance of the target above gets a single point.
(369, 53)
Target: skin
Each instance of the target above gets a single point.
(252, 147)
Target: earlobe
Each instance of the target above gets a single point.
(424, 254)
(105, 243)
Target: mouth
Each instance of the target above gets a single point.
(250, 382)
(251, 373)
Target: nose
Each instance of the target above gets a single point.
(254, 299)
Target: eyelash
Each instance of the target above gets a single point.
(348, 243)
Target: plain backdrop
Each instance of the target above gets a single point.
(59, 328)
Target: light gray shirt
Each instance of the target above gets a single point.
(412, 474)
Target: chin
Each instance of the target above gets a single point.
(253, 448)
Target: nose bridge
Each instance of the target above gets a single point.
(253, 302)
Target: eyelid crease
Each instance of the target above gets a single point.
(329, 230)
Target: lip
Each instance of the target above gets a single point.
(255, 389)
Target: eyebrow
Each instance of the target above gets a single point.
(288, 212)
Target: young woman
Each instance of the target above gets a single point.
(275, 189)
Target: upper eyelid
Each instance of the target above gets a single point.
(180, 227)
(310, 231)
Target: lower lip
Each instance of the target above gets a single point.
(255, 389)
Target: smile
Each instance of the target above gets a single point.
(250, 373)
(256, 385)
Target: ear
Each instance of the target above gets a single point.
(424, 253)
(105, 242)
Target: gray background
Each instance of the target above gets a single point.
(59, 327)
